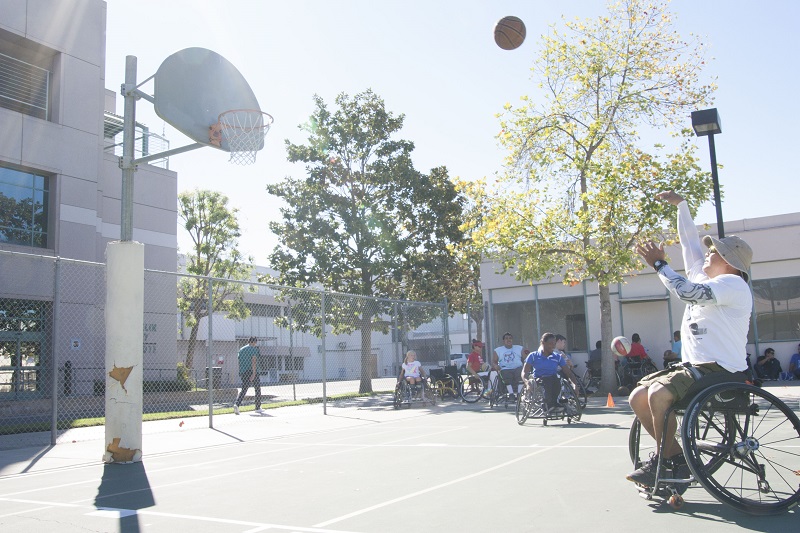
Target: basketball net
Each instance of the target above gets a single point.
(243, 130)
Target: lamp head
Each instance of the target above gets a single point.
(706, 122)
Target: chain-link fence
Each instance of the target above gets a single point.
(313, 346)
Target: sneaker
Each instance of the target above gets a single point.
(235, 409)
(646, 474)
(259, 411)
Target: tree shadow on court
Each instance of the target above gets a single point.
(123, 490)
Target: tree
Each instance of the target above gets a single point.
(579, 189)
(214, 230)
(464, 282)
(363, 220)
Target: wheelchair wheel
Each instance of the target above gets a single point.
(634, 443)
(741, 444)
(573, 403)
(399, 395)
(648, 367)
(472, 388)
(428, 393)
(582, 395)
(524, 402)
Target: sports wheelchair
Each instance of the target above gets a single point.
(740, 443)
(406, 394)
(635, 370)
(446, 382)
(531, 403)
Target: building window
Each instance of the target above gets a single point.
(565, 316)
(26, 76)
(264, 310)
(519, 319)
(777, 309)
(24, 202)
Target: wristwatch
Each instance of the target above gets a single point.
(659, 264)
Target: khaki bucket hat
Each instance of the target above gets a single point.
(733, 250)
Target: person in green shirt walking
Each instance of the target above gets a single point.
(248, 363)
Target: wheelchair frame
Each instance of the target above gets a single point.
(531, 404)
(404, 394)
(446, 382)
(734, 436)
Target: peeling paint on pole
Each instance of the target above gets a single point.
(124, 317)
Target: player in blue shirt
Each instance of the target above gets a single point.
(544, 364)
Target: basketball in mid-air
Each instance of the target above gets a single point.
(509, 33)
(621, 346)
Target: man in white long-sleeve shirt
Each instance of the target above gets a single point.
(713, 331)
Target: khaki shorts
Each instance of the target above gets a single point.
(677, 380)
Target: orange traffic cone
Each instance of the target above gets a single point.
(610, 402)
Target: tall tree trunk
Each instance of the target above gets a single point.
(366, 355)
(609, 379)
(191, 347)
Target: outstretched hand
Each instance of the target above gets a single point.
(651, 252)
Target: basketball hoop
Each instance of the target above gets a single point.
(243, 130)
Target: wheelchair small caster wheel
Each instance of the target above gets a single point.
(676, 501)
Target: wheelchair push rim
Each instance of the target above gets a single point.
(742, 444)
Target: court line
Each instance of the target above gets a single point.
(347, 449)
(458, 480)
(33, 510)
(259, 526)
(286, 445)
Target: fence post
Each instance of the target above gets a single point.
(55, 344)
(446, 331)
(396, 341)
(469, 324)
(291, 352)
(209, 368)
(324, 364)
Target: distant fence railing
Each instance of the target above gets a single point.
(312, 344)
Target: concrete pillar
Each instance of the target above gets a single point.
(124, 337)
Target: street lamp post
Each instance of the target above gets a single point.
(707, 123)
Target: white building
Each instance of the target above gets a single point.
(642, 305)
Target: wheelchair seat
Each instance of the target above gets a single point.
(436, 374)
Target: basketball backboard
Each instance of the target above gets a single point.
(193, 86)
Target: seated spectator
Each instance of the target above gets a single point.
(767, 367)
(596, 358)
(794, 364)
(637, 353)
(670, 357)
(676, 343)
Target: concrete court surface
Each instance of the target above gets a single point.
(362, 468)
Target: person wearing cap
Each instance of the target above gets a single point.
(713, 330)
(474, 360)
(475, 363)
(767, 367)
(794, 364)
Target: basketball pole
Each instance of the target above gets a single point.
(124, 313)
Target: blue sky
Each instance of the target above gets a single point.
(435, 61)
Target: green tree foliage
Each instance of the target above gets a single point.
(214, 230)
(363, 220)
(464, 282)
(579, 190)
